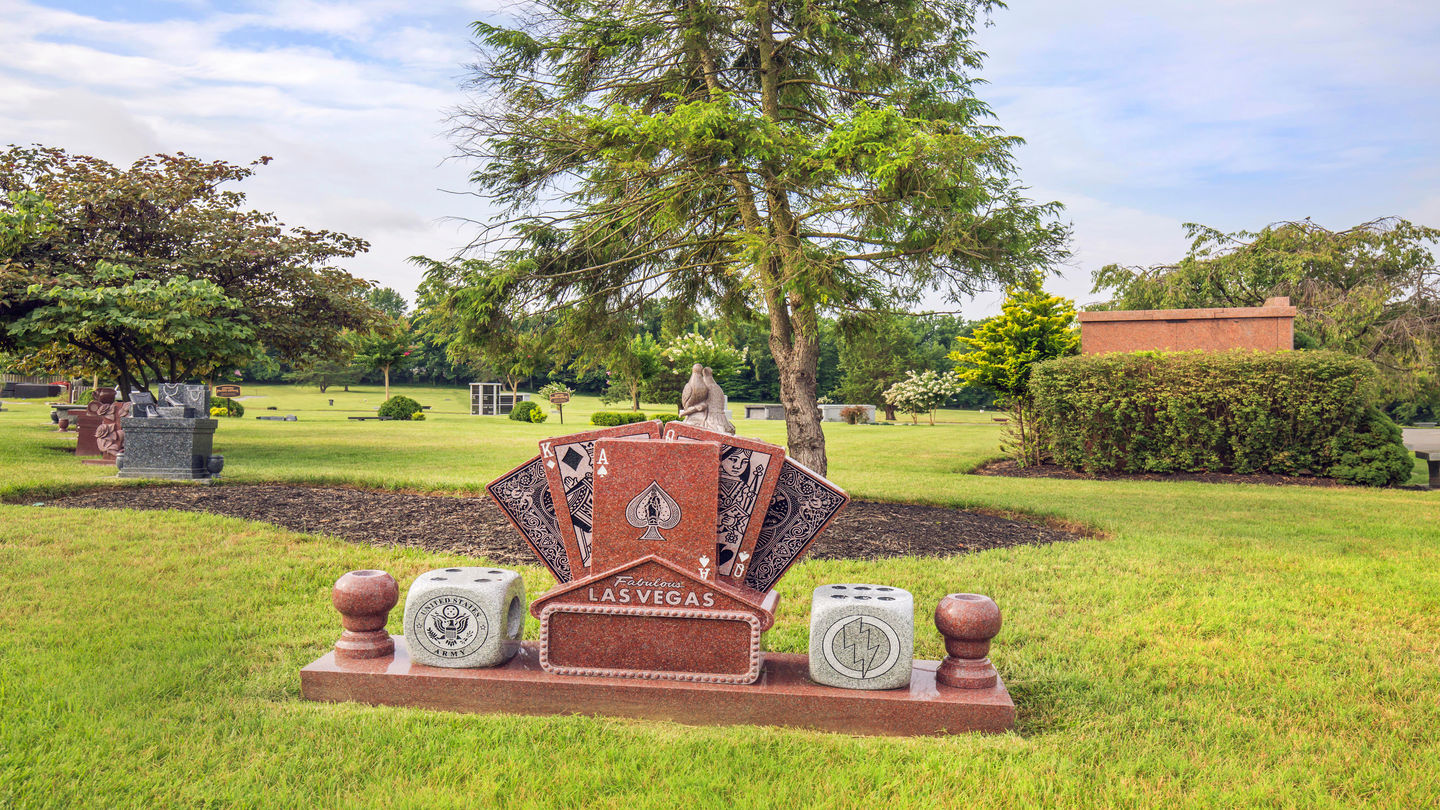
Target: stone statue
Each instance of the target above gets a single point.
(718, 406)
(704, 404)
(695, 398)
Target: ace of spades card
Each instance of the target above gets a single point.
(571, 475)
(749, 470)
(523, 494)
(655, 497)
(803, 505)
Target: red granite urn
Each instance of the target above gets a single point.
(365, 599)
(967, 621)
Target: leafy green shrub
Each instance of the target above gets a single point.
(1377, 457)
(523, 410)
(418, 416)
(1239, 411)
(399, 407)
(539, 415)
(232, 408)
(667, 418)
(616, 418)
(86, 397)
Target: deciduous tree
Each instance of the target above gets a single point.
(875, 351)
(631, 365)
(170, 221)
(923, 392)
(383, 347)
(144, 329)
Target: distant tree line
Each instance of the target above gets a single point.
(859, 358)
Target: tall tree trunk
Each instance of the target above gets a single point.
(635, 397)
(794, 342)
(387, 380)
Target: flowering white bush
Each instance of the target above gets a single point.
(543, 395)
(923, 392)
(689, 348)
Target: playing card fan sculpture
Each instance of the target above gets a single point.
(666, 542)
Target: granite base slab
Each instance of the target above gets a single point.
(168, 448)
(783, 695)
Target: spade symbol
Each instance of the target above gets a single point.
(653, 509)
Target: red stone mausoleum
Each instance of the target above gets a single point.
(1266, 328)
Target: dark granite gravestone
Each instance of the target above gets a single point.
(142, 405)
(172, 439)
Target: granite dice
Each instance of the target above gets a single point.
(861, 636)
(465, 617)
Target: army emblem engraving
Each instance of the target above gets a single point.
(454, 626)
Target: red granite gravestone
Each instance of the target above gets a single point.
(749, 470)
(643, 623)
(99, 409)
(655, 497)
(650, 618)
(570, 473)
(654, 609)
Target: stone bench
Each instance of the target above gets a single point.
(1432, 459)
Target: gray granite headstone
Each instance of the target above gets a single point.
(161, 447)
(467, 617)
(862, 636)
(191, 397)
(142, 405)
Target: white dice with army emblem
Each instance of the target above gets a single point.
(862, 636)
(465, 617)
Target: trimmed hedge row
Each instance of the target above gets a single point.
(618, 418)
(1239, 411)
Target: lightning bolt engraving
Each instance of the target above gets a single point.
(855, 639)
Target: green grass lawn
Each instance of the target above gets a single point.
(1220, 646)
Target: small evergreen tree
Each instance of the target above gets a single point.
(1032, 327)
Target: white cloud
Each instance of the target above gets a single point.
(1138, 115)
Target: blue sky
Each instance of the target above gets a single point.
(1138, 116)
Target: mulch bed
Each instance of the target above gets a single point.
(1010, 469)
(474, 526)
